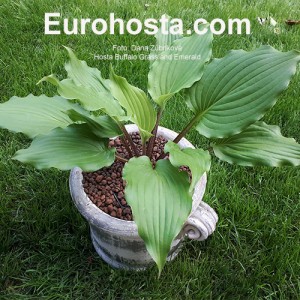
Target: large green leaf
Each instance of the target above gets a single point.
(33, 115)
(102, 126)
(237, 90)
(160, 202)
(86, 96)
(65, 148)
(197, 160)
(138, 107)
(87, 86)
(259, 144)
(179, 67)
(163, 41)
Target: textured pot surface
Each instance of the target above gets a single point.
(117, 241)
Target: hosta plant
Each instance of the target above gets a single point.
(228, 96)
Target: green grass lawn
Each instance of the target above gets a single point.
(45, 248)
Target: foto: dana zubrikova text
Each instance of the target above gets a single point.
(54, 24)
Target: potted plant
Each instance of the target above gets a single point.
(164, 176)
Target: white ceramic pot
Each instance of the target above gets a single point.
(117, 241)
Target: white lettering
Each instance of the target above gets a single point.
(149, 25)
(74, 30)
(176, 28)
(138, 25)
(113, 21)
(196, 26)
(164, 24)
(239, 23)
(48, 23)
(82, 25)
(222, 26)
(94, 26)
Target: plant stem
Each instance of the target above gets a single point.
(184, 131)
(126, 146)
(129, 139)
(122, 159)
(123, 139)
(144, 149)
(154, 132)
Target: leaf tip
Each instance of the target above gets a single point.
(68, 49)
(50, 78)
(112, 73)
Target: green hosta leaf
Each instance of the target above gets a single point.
(160, 201)
(197, 160)
(65, 148)
(237, 90)
(167, 77)
(102, 126)
(139, 108)
(33, 115)
(87, 86)
(86, 96)
(164, 40)
(259, 144)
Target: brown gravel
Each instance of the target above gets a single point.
(105, 187)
